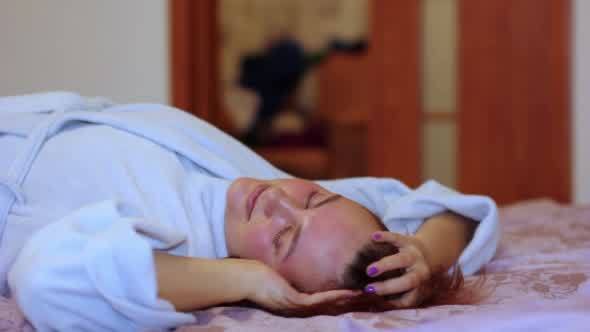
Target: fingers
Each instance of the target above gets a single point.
(282, 296)
(388, 263)
(304, 299)
(286, 299)
(329, 296)
(408, 281)
(396, 239)
(409, 256)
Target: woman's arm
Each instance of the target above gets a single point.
(444, 237)
(193, 283)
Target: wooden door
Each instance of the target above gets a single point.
(394, 126)
(514, 99)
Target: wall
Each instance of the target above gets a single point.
(581, 101)
(439, 85)
(109, 48)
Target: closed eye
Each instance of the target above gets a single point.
(277, 239)
(313, 202)
(309, 199)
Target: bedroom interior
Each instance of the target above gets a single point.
(486, 96)
(506, 104)
(474, 93)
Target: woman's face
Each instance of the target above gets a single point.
(306, 233)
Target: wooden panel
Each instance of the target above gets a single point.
(194, 57)
(304, 162)
(394, 125)
(344, 103)
(514, 120)
(344, 94)
(347, 146)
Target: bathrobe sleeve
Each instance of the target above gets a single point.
(93, 270)
(404, 210)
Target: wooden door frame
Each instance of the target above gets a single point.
(194, 66)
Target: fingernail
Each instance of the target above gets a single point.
(377, 236)
(353, 294)
(372, 271)
(370, 289)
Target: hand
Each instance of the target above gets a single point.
(270, 290)
(413, 283)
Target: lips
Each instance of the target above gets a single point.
(251, 201)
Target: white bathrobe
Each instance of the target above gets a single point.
(89, 189)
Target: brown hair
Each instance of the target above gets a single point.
(441, 288)
(355, 275)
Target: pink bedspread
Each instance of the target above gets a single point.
(539, 280)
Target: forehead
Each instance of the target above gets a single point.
(329, 240)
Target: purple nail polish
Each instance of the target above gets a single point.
(370, 289)
(377, 236)
(372, 271)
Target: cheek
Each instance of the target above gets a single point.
(236, 193)
(255, 245)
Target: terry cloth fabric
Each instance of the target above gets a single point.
(87, 187)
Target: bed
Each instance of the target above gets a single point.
(539, 280)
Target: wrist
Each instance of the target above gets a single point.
(444, 236)
(434, 264)
(223, 276)
(243, 277)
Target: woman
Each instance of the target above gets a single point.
(121, 217)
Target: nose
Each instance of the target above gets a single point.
(282, 207)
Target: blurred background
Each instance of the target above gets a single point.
(487, 96)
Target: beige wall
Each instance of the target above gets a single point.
(581, 101)
(108, 47)
(439, 68)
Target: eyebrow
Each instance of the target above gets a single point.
(327, 200)
(297, 234)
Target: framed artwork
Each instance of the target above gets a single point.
(269, 56)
